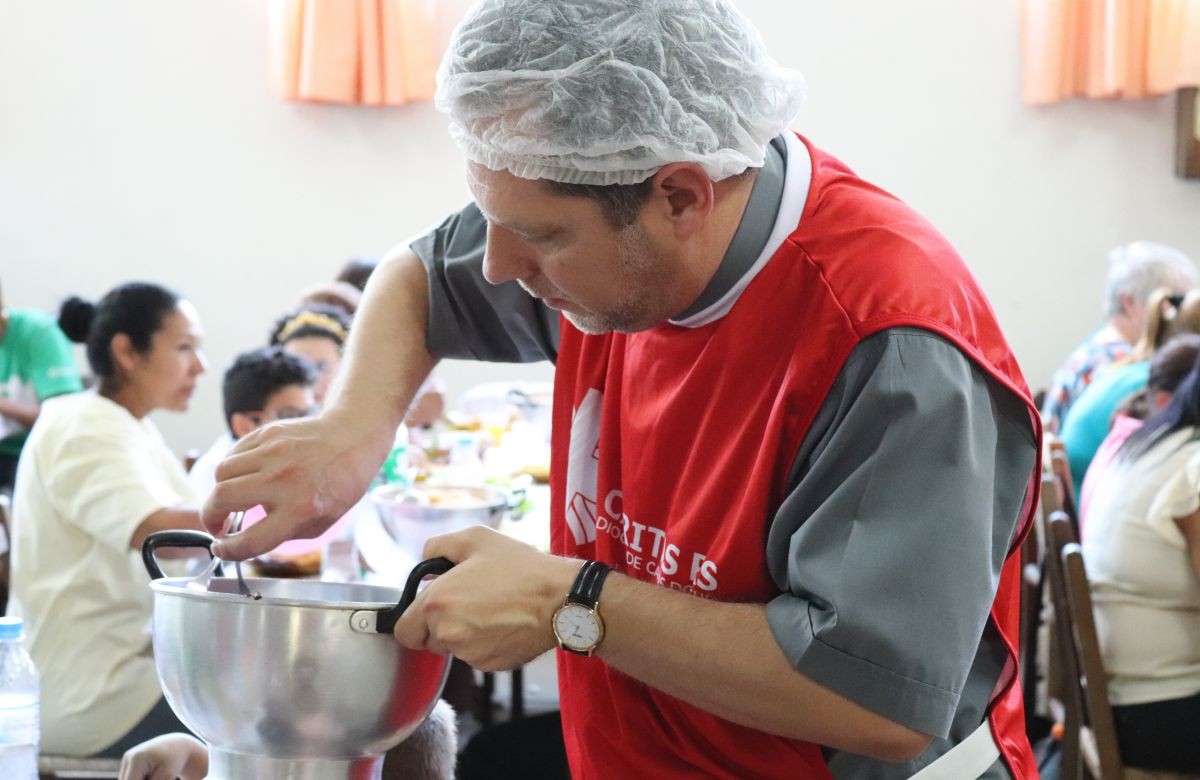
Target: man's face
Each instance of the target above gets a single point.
(563, 251)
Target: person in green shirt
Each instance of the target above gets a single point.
(36, 363)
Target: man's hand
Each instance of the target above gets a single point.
(166, 758)
(493, 609)
(305, 473)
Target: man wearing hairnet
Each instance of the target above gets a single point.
(792, 454)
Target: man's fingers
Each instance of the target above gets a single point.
(265, 535)
(235, 495)
(457, 546)
(411, 630)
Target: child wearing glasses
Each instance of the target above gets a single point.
(260, 387)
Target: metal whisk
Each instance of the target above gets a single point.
(243, 588)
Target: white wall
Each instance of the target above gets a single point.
(138, 140)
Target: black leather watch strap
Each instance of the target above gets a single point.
(588, 583)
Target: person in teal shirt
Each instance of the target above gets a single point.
(1089, 419)
(36, 363)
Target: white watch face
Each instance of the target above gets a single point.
(578, 627)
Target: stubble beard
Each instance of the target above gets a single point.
(645, 286)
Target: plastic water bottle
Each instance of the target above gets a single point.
(395, 468)
(466, 467)
(18, 704)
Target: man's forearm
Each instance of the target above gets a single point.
(25, 414)
(722, 658)
(386, 359)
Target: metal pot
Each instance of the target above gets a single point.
(305, 683)
(411, 519)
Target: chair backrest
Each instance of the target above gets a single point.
(5, 557)
(1063, 694)
(1033, 595)
(1098, 733)
(1060, 466)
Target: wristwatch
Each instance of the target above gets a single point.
(577, 624)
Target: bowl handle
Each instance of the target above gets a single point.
(385, 619)
(171, 539)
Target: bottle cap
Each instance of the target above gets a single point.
(11, 628)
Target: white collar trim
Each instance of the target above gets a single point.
(796, 181)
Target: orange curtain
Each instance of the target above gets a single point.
(1108, 48)
(373, 52)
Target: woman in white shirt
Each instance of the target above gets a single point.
(95, 479)
(1142, 550)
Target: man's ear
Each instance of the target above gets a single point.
(124, 354)
(241, 424)
(686, 194)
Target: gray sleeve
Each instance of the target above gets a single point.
(469, 317)
(905, 497)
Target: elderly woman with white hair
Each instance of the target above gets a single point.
(791, 448)
(1135, 271)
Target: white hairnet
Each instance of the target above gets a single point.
(609, 91)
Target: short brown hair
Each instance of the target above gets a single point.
(620, 203)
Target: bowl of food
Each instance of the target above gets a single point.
(411, 515)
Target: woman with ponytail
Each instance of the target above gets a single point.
(95, 479)
(1091, 416)
(1142, 548)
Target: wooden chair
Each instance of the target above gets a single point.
(1058, 464)
(5, 553)
(1062, 667)
(1085, 681)
(1033, 595)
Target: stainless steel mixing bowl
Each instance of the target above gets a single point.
(307, 677)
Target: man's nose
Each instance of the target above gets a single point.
(506, 257)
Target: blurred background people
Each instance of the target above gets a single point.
(1089, 419)
(317, 332)
(429, 405)
(36, 364)
(1135, 271)
(1168, 368)
(341, 295)
(261, 386)
(357, 271)
(95, 479)
(1142, 548)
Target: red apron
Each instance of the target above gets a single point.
(673, 446)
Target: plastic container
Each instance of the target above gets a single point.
(395, 468)
(466, 465)
(19, 694)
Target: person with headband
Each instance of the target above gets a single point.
(318, 333)
(793, 455)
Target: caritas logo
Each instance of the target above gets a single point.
(648, 550)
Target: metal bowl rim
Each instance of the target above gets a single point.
(171, 586)
(498, 501)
